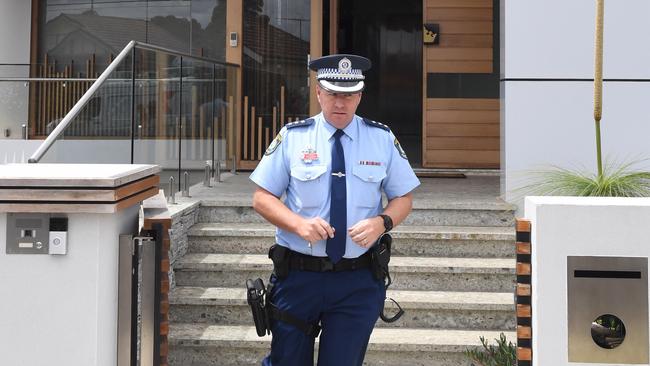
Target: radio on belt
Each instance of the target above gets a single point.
(58, 236)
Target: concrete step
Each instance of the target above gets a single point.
(409, 240)
(218, 345)
(426, 213)
(408, 273)
(423, 309)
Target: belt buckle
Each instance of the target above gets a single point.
(326, 265)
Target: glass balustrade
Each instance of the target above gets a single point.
(154, 106)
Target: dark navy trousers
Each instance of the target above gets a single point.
(347, 303)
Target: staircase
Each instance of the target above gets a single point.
(453, 272)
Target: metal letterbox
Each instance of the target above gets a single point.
(607, 309)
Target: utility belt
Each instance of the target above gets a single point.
(285, 260)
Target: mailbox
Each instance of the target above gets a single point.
(607, 309)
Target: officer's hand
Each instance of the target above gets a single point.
(315, 229)
(366, 232)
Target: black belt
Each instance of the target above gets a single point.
(303, 262)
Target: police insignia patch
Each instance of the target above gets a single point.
(274, 145)
(399, 149)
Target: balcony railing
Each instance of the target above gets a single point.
(151, 105)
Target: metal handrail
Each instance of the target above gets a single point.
(76, 109)
(47, 79)
(64, 80)
(74, 112)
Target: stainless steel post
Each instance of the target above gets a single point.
(172, 194)
(186, 179)
(234, 165)
(125, 300)
(217, 172)
(23, 128)
(206, 175)
(147, 250)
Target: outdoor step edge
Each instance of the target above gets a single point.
(399, 264)
(382, 339)
(496, 233)
(417, 205)
(188, 295)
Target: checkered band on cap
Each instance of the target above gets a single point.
(336, 75)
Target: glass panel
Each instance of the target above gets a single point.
(157, 113)
(101, 132)
(226, 109)
(198, 118)
(84, 35)
(14, 112)
(276, 46)
(168, 25)
(209, 29)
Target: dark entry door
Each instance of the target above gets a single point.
(389, 33)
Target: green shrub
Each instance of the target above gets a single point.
(504, 353)
(616, 180)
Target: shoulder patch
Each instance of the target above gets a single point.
(399, 149)
(274, 144)
(303, 123)
(372, 123)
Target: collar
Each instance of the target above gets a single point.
(351, 130)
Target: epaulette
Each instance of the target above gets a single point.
(303, 123)
(372, 123)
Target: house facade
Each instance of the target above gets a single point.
(464, 84)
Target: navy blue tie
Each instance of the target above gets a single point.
(338, 207)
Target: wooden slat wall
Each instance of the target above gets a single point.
(465, 36)
(461, 133)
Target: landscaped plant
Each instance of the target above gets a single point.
(504, 353)
(617, 179)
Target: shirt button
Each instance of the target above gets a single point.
(308, 176)
(370, 177)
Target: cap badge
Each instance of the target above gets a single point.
(345, 65)
(309, 154)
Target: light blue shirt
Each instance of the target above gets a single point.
(299, 164)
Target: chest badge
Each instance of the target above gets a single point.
(308, 155)
(368, 162)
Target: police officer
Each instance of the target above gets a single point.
(332, 169)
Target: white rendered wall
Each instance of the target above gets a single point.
(547, 105)
(62, 310)
(574, 226)
(15, 33)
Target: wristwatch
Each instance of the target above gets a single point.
(388, 223)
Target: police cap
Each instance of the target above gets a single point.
(341, 73)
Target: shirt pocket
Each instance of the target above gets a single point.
(311, 185)
(368, 178)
